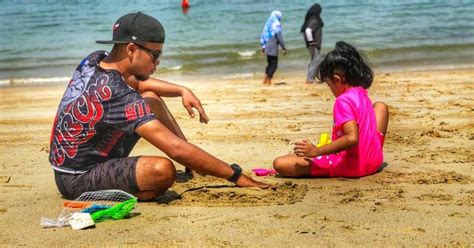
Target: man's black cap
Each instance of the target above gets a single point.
(136, 27)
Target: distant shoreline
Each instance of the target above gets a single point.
(282, 71)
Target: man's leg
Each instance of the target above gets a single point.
(144, 177)
(154, 176)
(163, 114)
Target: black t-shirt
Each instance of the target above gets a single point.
(96, 119)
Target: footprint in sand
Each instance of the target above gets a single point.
(418, 177)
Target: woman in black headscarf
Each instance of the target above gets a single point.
(313, 35)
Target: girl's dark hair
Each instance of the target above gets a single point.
(347, 61)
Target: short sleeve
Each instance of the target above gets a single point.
(127, 111)
(136, 113)
(343, 111)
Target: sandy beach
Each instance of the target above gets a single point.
(423, 197)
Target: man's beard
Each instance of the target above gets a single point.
(142, 77)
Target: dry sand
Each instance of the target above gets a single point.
(424, 196)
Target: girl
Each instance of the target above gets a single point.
(270, 39)
(313, 35)
(359, 127)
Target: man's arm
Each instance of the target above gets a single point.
(161, 87)
(167, 89)
(190, 155)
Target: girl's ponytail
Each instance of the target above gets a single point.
(345, 59)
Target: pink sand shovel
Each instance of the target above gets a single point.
(261, 172)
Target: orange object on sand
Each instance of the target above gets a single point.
(185, 4)
(74, 204)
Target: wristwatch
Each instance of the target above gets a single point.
(237, 173)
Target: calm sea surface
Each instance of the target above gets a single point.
(45, 40)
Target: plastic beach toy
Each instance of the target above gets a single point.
(261, 172)
(324, 140)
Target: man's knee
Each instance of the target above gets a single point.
(164, 171)
(158, 173)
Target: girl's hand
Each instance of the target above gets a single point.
(305, 148)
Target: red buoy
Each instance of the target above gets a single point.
(185, 4)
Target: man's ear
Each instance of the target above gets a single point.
(130, 49)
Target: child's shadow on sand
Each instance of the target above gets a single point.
(382, 167)
(280, 83)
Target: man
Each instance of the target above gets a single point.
(110, 103)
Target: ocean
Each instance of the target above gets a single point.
(43, 41)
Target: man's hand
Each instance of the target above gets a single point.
(190, 101)
(245, 181)
(284, 51)
(305, 148)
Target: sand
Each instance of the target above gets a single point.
(423, 197)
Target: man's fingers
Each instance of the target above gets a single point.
(190, 111)
(202, 114)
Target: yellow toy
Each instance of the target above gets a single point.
(324, 140)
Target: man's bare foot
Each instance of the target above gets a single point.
(245, 181)
(309, 81)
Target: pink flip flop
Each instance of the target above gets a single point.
(261, 172)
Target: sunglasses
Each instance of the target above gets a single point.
(155, 54)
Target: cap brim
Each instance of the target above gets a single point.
(111, 42)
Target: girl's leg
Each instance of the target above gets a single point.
(381, 115)
(267, 71)
(292, 166)
(265, 79)
(309, 79)
(313, 65)
(272, 67)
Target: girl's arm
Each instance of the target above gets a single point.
(350, 138)
(281, 42)
(309, 34)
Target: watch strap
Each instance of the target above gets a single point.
(237, 173)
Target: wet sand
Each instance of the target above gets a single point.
(424, 195)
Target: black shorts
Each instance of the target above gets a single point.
(117, 173)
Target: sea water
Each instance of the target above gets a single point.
(43, 41)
